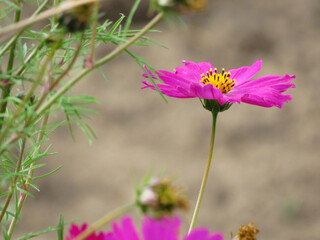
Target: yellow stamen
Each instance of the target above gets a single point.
(218, 80)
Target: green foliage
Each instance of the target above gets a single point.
(39, 68)
(59, 229)
(4, 233)
(74, 109)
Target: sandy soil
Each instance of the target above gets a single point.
(266, 161)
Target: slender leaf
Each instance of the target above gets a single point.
(47, 174)
(130, 16)
(4, 233)
(116, 25)
(60, 227)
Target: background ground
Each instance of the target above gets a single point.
(266, 161)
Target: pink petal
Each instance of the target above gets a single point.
(216, 236)
(203, 234)
(173, 79)
(245, 73)
(109, 236)
(265, 91)
(268, 81)
(198, 234)
(150, 73)
(206, 92)
(126, 231)
(168, 90)
(192, 71)
(75, 231)
(257, 100)
(163, 229)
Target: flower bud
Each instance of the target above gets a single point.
(158, 198)
(21, 96)
(166, 3)
(77, 19)
(180, 6)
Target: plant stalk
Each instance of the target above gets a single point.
(105, 219)
(94, 31)
(62, 75)
(26, 98)
(7, 88)
(14, 182)
(206, 173)
(28, 180)
(16, 36)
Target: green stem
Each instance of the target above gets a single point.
(14, 182)
(106, 219)
(29, 178)
(56, 82)
(94, 31)
(7, 88)
(26, 98)
(29, 58)
(16, 36)
(66, 87)
(206, 173)
(102, 61)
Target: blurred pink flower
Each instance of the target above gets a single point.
(75, 231)
(163, 229)
(202, 80)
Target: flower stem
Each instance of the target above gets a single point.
(206, 172)
(105, 219)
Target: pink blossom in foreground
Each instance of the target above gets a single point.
(163, 229)
(76, 231)
(202, 80)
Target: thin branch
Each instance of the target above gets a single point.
(102, 61)
(15, 37)
(7, 88)
(14, 182)
(44, 15)
(28, 180)
(29, 58)
(94, 30)
(105, 219)
(56, 82)
(26, 98)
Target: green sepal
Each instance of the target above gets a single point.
(214, 106)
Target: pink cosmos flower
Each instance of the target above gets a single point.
(163, 229)
(202, 80)
(76, 231)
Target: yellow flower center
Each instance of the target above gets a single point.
(218, 80)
